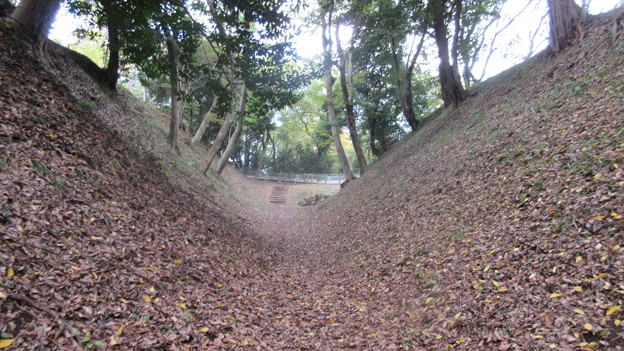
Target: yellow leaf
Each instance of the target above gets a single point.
(578, 288)
(10, 273)
(477, 287)
(615, 215)
(457, 316)
(181, 305)
(579, 258)
(147, 299)
(120, 331)
(438, 337)
(487, 268)
(578, 311)
(616, 247)
(6, 343)
(502, 290)
(588, 326)
(464, 252)
(617, 322)
(341, 340)
(556, 295)
(204, 330)
(429, 300)
(496, 284)
(152, 290)
(613, 309)
(451, 250)
(245, 342)
(372, 334)
(181, 298)
(553, 346)
(462, 339)
(532, 275)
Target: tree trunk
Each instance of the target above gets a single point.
(261, 157)
(34, 18)
(397, 63)
(174, 124)
(223, 131)
(329, 82)
(565, 23)
(199, 133)
(450, 81)
(223, 161)
(347, 98)
(112, 69)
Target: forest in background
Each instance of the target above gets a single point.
(229, 75)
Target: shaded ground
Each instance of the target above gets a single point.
(497, 226)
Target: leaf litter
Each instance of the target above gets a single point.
(505, 233)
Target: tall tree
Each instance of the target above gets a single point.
(225, 128)
(326, 14)
(395, 27)
(566, 19)
(34, 18)
(347, 97)
(450, 81)
(174, 79)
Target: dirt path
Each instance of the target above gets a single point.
(305, 302)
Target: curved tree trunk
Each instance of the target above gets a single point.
(348, 101)
(112, 69)
(329, 82)
(223, 161)
(566, 18)
(223, 131)
(204, 123)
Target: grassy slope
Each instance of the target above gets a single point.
(498, 225)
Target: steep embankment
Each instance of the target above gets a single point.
(498, 225)
(97, 247)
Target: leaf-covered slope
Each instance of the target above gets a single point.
(97, 248)
(499, 225)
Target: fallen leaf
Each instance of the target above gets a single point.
(5, 343)
(555, 295)
(10, 272)
(613, 309)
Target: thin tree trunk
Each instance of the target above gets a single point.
(409, 97)
(199, 133)
(450, 82)
(348, 101)
(223, 161)
(261, 157)
(270, 138)
(329, 82)
(565, 23)
(174, 78)
(223, 131)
